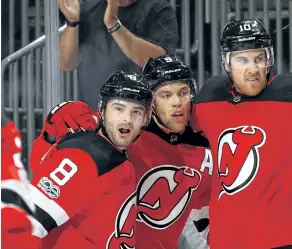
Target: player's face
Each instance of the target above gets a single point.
(249, 70)
(172, 104)
(123, 121)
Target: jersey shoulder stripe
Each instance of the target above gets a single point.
(48, 213)
(214, 89)
(104, 154)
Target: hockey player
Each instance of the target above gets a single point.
(18, 227)
(247, 117)
(83, 189)
(173, 165)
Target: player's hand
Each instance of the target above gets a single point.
(70, 117)
(111, 13)
(70, 9)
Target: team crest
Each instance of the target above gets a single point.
(123, 237)
(238, 157)
(163, 193)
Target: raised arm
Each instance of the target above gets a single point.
(155, 42)
(69, 45)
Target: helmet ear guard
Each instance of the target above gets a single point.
(225, 59)
(193, 89)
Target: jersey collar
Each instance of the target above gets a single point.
(187, 137)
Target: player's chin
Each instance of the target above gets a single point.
(122, 144)
(253, 89)
(178, 126)
(124, 141)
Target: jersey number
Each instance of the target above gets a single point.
(245, 27)
(133, 77)
(61, 170)
(168, 59)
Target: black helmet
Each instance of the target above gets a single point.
(126, 86)
(245, 35)
(164, 69)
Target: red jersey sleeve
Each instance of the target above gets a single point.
(18, 228)
(17, 223)
(11, 154)
(38, 151)
(62, 186)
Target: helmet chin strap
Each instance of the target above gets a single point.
(157, 118)
(102, 127)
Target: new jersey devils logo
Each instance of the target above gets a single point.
(163, 193)
(238, 157)
(123, 236)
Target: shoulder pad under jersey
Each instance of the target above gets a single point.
(214, 89)
(104, 154)
(187, 137)
(195, 138)
(280, 89)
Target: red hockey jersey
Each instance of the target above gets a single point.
(250, 140)
(173, 174)
(83, 195)
(17, 223)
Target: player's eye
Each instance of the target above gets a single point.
(165, 95)
(184, 92)
(260, 60)
(137, 112)
(118, 108)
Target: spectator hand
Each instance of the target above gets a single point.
(111, 13)
(70, 117)
(70, 9)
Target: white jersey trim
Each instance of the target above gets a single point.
(21, 189)
(37, 228)
(50, 206)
